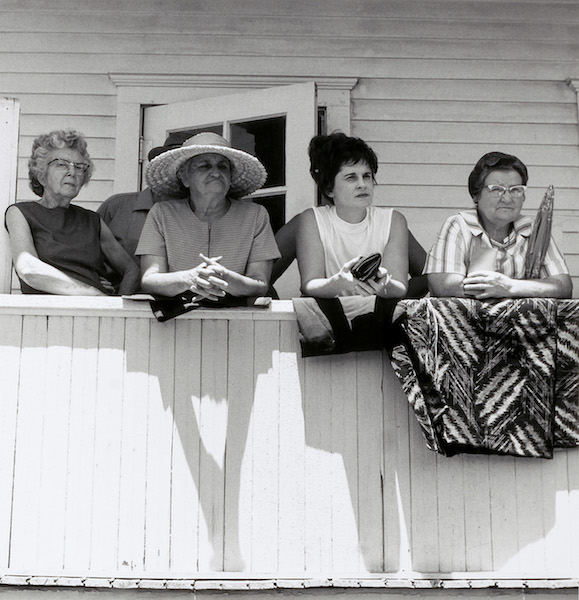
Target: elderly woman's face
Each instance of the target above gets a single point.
(207, 175)
(498, 210)
(64, 174)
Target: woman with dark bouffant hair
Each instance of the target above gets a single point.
(332, 239)
(57, 247)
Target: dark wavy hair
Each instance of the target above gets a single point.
(494, 161)
(328, 153)
(42, 147)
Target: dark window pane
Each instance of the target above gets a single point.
(187, 133)
(275, 206)
(266, 140)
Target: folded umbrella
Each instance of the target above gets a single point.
(540, 236)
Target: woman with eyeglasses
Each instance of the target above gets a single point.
(480, 253)
(57, 247)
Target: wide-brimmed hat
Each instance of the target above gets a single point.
(247, 172)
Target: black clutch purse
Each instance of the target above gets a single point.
(366, 268)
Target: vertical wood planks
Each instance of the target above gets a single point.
(478, 500)
(503, 508)
(159, 445)
(133, 465)
(370, 460)
(185, 509)
(11, 328)
(24, 542)
(204, 445)
(81, 442)
(396, 488)
(530, 515)
(108, 420)
(52, 493)
(213, 430)
(318, 418)
(238, 456)
(560, 518)
(344, 448)
(424, 503)
(451, 514)
(265, 448)
(292, 484)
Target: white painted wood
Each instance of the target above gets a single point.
(185, 474)
(265, 425)
(24, 540)
(107, 445)
(292, 452)
(370, 457)
(238, 472)
(9, 375)
(133, 466)
(81, 442)
(145, 448)
(9, 122)
(344, 465)
(52, 492)
(213, 432)
(317, 419)
(159, 445)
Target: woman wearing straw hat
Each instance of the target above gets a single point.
(481, 253)
(211, 242)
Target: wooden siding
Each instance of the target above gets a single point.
(208, 444)
(440, 82)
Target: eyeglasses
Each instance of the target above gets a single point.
(64, 165)
(516, 191)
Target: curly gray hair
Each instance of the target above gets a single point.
(42, 147)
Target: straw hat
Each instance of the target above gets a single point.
(247, 173)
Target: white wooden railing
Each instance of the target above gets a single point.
(207, 444)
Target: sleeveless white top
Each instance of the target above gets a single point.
(342, 241)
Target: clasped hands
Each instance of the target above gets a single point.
(374, 286)
(207, 280)
(486, 284)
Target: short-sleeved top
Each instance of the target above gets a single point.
(241, 236)
(463, 245)
(66, 238)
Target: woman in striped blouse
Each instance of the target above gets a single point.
(480, 253)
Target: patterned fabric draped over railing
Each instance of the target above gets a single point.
(492, 377)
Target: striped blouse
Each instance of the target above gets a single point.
(463, 246)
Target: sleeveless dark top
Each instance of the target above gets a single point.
(68, 239)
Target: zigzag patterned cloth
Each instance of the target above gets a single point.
(492, 377)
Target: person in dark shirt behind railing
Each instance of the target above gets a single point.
(125, 214)
(481, 253)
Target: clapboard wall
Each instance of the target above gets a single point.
(440, 82)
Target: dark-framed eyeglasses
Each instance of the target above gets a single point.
(64, 165)
(516, 191)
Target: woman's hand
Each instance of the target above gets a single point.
(487, 284)
(253, 283)
(378, 284)
(206, 279)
